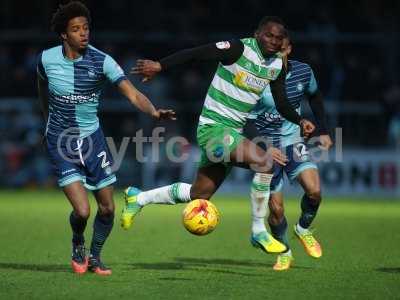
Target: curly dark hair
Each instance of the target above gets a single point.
(64, 13)
(271, 19)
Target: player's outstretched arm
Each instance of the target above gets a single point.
(317, 106)
(278, 90)
(226, 52)
(143, 103)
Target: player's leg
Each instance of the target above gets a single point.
(77, 196)
(309, 180)
(249, 155)
(259, 200)
(99, 179)
(301, 168)
(135, 199)
(278, 224)
(66, 164)
(179, 192)
(207, 181)
(102, 226)
(276, 219)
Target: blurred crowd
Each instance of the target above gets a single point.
(353, 48)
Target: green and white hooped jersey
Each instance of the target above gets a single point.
(236, 88)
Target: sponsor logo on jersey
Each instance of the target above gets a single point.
(75, 99)
(250, 82)
(273, 117)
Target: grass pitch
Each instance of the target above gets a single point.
(158, 259)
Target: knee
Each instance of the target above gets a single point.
(263, 166)
(277, 210)
(107, 209)
(314, 194)
(82, 212)
(196, 193)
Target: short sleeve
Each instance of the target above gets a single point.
(112, 70)
(312, 86)
(40, 68)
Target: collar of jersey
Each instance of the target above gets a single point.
(69, 59)
(289, 70)
(260, 55)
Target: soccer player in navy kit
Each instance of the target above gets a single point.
(300, 83)
(70, 81)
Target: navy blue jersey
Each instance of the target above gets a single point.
(300, 82)
(75, 87)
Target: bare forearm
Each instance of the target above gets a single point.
(136, 97)
(144, 104)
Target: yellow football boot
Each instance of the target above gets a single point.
(283, 262)
(310, 244)
(267, 243)
(131, 208)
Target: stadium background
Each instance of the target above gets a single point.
(353, 48)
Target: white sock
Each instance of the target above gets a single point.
(257, 225)
(171, 194)
(289, 253)
(301, 229)
(259, 195)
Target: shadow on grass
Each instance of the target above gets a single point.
(225, 266)
(230, 262)
(221, 261)
(157, 266)
(168, 266)
(174, 279)
(389, 270)
(35, 268)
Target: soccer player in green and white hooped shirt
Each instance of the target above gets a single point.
(245, 68)
(265, 121)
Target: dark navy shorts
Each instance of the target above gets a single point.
(299, 160)
(85, 159)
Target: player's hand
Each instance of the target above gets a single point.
(307, 128)
(147, 68)
(164, 114)
(277, 156)
(325, 142)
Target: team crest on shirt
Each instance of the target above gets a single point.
(271, 73)
(300, 87)
(91, 73)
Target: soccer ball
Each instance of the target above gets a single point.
(200, 217)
